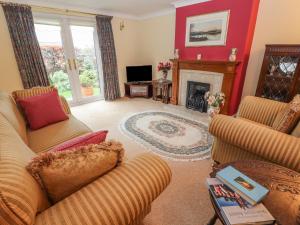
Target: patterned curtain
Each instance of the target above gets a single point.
(26, 47)
(109, 59)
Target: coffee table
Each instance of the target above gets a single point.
(283, 201)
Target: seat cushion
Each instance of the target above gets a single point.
(48, 137)
(10, 111)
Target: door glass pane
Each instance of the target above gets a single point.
(49, 37)
(86, 60)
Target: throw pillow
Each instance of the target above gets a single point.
(92, 138)
(26, 93)
(63, 173)
(287, 119)
(43, 110)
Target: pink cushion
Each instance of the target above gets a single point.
(92, 138)
(43, 110)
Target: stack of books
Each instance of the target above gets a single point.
(238, 198)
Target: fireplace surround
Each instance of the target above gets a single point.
(228, 69)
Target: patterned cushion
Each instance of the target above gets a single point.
(62, 173)
(287, 119)
(26, 93)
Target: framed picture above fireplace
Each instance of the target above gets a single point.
(207, 29)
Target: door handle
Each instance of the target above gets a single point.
(70, 64)
(75, 64)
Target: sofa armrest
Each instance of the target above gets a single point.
(261, 140)
(118, 197)
(65, 104)
(260, 110)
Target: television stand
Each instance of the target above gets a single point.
(138, 89)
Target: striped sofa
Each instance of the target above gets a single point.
(122, 196)
(250, 136)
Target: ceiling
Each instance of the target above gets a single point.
(127, 8)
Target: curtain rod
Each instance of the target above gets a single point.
(53, 8)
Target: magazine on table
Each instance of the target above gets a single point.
(235, 209)
(243, 185)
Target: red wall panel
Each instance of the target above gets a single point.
(240, 32)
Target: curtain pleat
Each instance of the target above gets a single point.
(109, 58)
(26, 47)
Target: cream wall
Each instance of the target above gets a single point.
(157, 36)
(127, 48)
(9, 73)
(277, 23)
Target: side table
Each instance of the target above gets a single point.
(161, 90)
(283, 200)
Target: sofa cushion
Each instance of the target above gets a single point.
(87, 139)
(288, 118)
(26, 93)
(62, 173)
(21, 196)
(48, 137)
(43, 110)
(10, 111)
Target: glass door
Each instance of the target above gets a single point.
(72, 58)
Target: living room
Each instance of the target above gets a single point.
(125, 112)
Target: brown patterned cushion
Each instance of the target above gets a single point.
(62, 173)
(287, 119)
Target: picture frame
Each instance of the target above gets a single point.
(207, 29)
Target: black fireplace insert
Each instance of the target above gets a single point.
(195, 97)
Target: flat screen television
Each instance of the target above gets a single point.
(139, 73)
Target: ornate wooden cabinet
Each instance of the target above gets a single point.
(280, 74)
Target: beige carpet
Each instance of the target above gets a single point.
(185, 201)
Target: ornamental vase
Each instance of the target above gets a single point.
(212, 111)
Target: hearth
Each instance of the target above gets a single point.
(195, 97)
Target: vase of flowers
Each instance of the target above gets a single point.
(164, 67)
(215, 102)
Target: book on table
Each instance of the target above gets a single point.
(243, 185)
(236, 210)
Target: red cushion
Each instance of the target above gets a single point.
(43, 110)
(92, 138)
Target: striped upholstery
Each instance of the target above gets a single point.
(39, 140)
(122, 196)
(20, 196)
(21, 94)
(260, 110)
(264, 142)
(10, 111)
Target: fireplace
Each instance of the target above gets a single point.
(208, 72)
(195, 97)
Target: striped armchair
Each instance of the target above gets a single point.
(250, 136)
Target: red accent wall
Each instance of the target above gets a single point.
(243, 14)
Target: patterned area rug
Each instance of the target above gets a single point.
(169, 135)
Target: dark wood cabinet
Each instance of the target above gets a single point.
(280, 73)
(138, 89)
